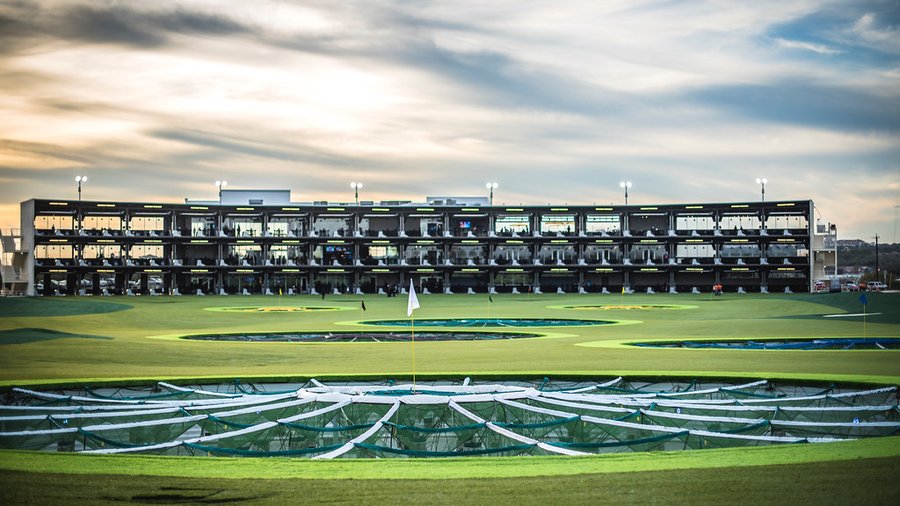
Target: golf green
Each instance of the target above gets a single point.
(78, 341)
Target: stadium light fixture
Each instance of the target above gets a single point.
(491, 186)
(625, 185)
(79, 180)
(356, 187)
(761, 181)
(220, 185)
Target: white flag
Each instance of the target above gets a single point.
(413, 300)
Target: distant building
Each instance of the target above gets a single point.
(258, 241)
(247, 198)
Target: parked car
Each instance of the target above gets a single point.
(875, 286)
(852, 287)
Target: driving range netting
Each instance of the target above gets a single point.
(440, 418)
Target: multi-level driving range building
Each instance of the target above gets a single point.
(258, 241)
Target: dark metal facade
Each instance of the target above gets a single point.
(142, 248)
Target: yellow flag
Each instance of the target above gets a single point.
(279, 291)
(623, 289)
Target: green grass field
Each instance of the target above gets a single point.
(77, 341)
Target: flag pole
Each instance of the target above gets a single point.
(411, 305)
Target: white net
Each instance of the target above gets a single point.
(441, 418)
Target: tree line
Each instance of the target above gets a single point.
(864, 256)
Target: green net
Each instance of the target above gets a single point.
(378, 451)
(462, 418)
(672, 441)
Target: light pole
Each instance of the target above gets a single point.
(220, 185)
(625, 185)
(761, 181)
(356, 187)
(79, 180)
(491, 187)
(877, 271)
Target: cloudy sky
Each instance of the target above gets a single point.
(556, 101)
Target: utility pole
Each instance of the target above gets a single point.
(877, 274)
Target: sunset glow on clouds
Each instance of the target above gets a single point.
(557, 101)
